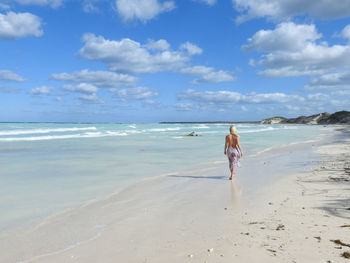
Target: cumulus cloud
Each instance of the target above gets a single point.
(330, 81)
(185, 106)
(138, 93)
(282, 9)
(91, 98)
(82, 87)
(207, 74)
(9, 89)
(43, 90)
(130, 56)
(154, 104)
(215, 77)
(225, 97)
(208, 2)
(98, 78)
(4, 6)
(285, 37)
(89, 6)
(346, 32)
(142, 10)
(7, 75)
(52, 3)
(262, 102)
(17, 25)
(196, 70)
(293, 50)
(317, 96)
(160, 44)
(191, 48)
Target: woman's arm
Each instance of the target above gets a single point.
(226, 142)
(239, 146)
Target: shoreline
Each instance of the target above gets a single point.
(199, 198)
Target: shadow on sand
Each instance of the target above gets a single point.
(201, 177)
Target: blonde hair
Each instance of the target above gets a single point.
(233, 130)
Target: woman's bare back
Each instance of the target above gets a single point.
(232, 141)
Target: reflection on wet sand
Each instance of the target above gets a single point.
(236, 194)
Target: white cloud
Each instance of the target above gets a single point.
(330, 81)
(89, 6)
(138, 93)
(252, 62)
(9, 89)
(285, 37)
(215, 77)
(293, 108)
(52, 3)
(154, 104)
(4, 6)
(196, 70)
(341, 93)
(224, 97)
(130, 56)
(82, 87)
(244, 108)
(282, 9)
(292, 50)
(208, 2)
(346, 32)
(17, 25)
(91, 98)
(185, 106)
(208, 74)
(192, 49)
(317, 96)
(43, 90)
(7, 75)
(161, 44)
(142, 9)
(98, 78)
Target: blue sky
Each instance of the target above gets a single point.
(152, 60)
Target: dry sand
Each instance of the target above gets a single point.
(200, 216)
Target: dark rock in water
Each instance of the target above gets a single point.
(340, 117)
(192, 134)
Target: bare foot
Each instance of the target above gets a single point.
(230, 178)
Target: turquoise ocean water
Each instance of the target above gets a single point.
(49, 167)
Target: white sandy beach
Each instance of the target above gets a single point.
(200, 216)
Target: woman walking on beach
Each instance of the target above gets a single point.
(234, 150)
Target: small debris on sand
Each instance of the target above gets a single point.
(280, 227)
(190, 256)
(346, 254)
(210, 250)
(318, 238)
(338, 242)
(271, 250)
(345, 226)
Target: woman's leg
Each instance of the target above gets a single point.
(232, 173)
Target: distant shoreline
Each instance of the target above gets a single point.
(208, 122)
